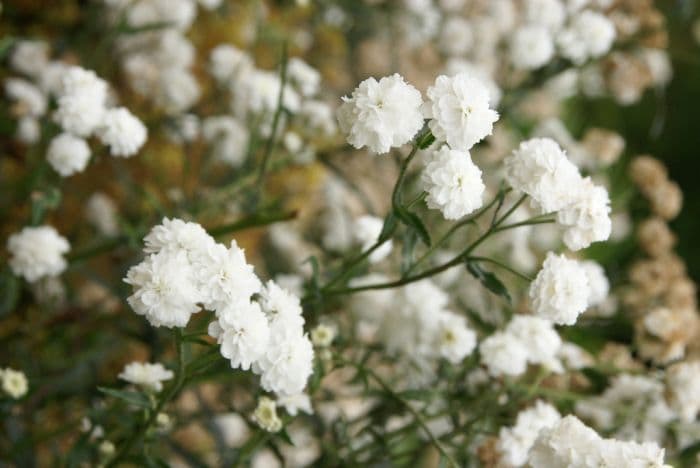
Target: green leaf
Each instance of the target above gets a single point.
(412, 220)
(425, 140)
(409, 244)
(488, 280)
(133, 398)
(9, 292)
(284, 435)
(6, 44)
(43, 202)
(388, 227)
(417, 394)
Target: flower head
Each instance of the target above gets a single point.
(149, 376)
(381, 114)
(36, 252)
(68, 154)
(458, 107)
(560, 291)
(453, 183)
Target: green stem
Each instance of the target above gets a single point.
(270, 143)
(450, 232)
(416, 415)
(173, 389)
(502, 265)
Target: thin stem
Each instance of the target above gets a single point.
(528, 222)
(502, 265)
(450, 232)
(169, 395)
(510, 211)
(416, 415)
(396, 196)
(270, 143)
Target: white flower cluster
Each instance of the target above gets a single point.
(453, 183)
(149, 376)
(514, 443)
(549, 28)
(525, 340)
(37, 252)
(683, 381)
(381, 114)
(157, 61)
(13, 383)
(388, 113)
(186, 269)
(81, 109)
(418, 324)
(458, 107)
(561, 290)
(572, 444)
(540, 168)
(254, 95)
(633, 406)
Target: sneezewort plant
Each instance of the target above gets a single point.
(233, 225)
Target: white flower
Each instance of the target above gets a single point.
(234, 429)
(455, 66)
(547, 13)
(101, 212)
(282, 308)
(175, 91)
(589, 35)
(36, 252)
(30, 100)
(28, 130)
(515, 442)
(294, 403)
(459, 110)
(29, 57)
(587, 215)
(14, 383)
(68, 154)
(81, 101)
(303, 76)
(319, 116)
(560, 291)
(456, 36)
(287, 363)
(567, 444)
(366, 230)
(454, 339)
(572, 444)
(123, 132)
(226, 61)
(228, 137)
(598, 282)
(453, 183)
(176, 234)
(683, 383)
(257, 92)
(503, 354)
(381, 114)
(531, 47)
(223, 276)
(244, 333)
(323, 335)
(265, 415)
(539, 338)
(540, 168)
(164, 289)
(149, 376)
